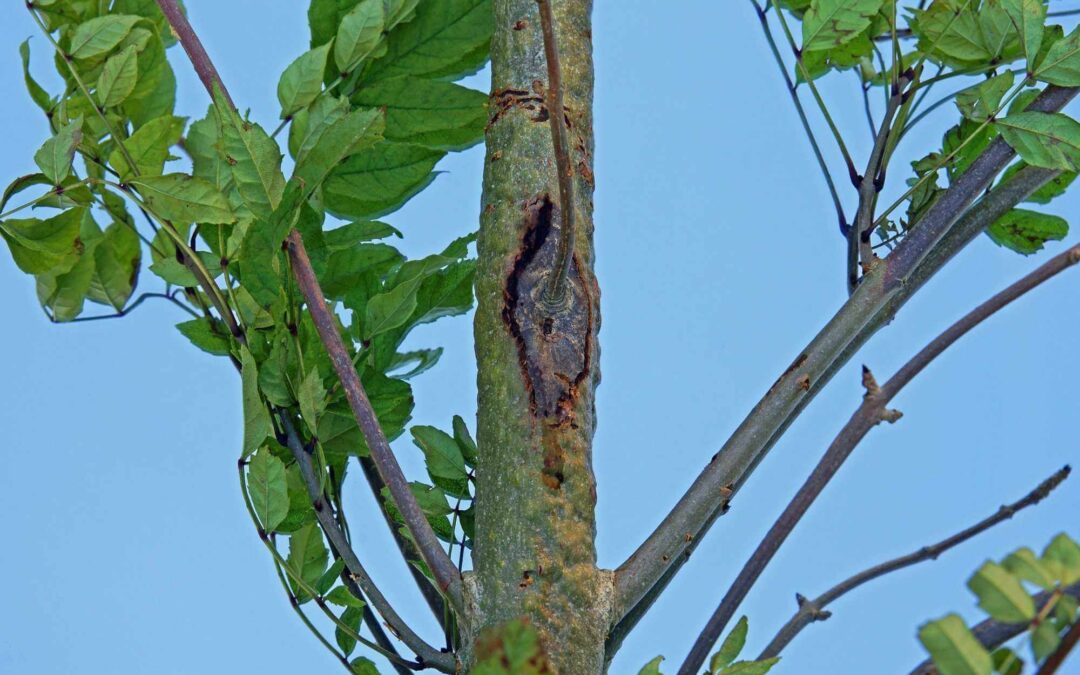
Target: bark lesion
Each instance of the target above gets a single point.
(554, 344)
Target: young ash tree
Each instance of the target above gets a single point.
(268, 242)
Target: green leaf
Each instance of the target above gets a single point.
(386, 311)
(1001, 595)
(40, 246)
(116, 266)
(954, 649)
(255, 160)
(257, 424)
(267, 488)
(729, 650)
(1062, 556)
(330, 576)
(301, 511)
(1044, 640)
(184, 199)
(750, 667)
(149, 147)
(64, 289)
(1049, 140)
(312, 398)
(1025, 564)
(341, 597)
(1028, 17)
(99, 35)
(399, 11)
(154, 94)
(302, 80)
(209, 335)
(445, 463)
(435, 114)
(55, 155)
(1061, 65)
(307, 557)
(337, 140)
(465, 441)
(379, 180)
(421, 361)
(351, 618)
(148, 9)
(652, 667)
(1026, 231)
(830, 23)
(1049, 191)
(1006, 662)
(358, 34)
(446, 40)
(982, 101)
(118, 78)
(362, 666)
(37, 93)
(206, 148)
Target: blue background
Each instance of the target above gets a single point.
(126, 548)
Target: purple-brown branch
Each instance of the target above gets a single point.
(814, 610)
(446, 574)
(867, 416)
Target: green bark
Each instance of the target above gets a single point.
(535, 554)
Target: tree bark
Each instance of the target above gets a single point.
(535, 554)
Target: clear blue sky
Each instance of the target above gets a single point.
(127, 549)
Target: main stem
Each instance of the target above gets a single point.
(535, 556)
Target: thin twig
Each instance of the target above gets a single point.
(557, 117)
(794, 94)
(852, 173)
(867, 416)
(814, 610)
(1054, 661)
(447, 576)
(992, 634)
(131, 307)
(426, 653)
(869, 185)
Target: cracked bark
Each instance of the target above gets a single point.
(535, 554)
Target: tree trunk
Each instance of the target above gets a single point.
(535, 554)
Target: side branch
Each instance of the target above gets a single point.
(446, 574)
(428, 655)
(814, 610)
(992, 634)
(557, 118)
(879, 296)
(867, 416)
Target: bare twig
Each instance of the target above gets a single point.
(867, 416)
(1054, 661)
(131, 307)
(794, 94)
(883, 291)
(814, 610)
(447, 576)
(557, 117)
(992, 634)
